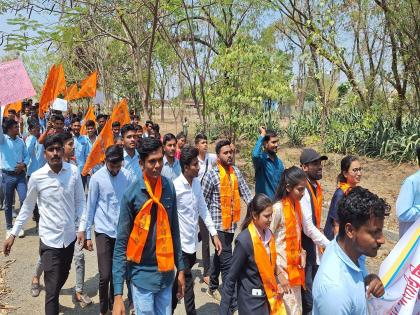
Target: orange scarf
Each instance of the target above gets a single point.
(317, 202)
(266, 267)
(345, 187)
(230, 202)
(138, 236)
(292, 219)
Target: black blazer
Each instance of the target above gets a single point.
(244, 273)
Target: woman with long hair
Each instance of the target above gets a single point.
(287, 228)
(349, 177)
(253, 267)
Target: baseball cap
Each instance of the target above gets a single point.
(310, 155)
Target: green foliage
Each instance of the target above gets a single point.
(352, 130)
(248, 75)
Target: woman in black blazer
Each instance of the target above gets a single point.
(244, 272)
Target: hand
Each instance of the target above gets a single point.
(89, 245)
(374, 286)
(217, 244)
(7, 245)
(263, 131)
(81, 238)
(49, 125)
(284, 286)
(118, 308)
(19, 167)
(181, 285)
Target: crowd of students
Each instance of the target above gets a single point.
(155, 198)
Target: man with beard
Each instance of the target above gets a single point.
(342, 284)
(82, 147)
(106, 189)
(171, 167)
(58, 188)
(313, 240)
(268, 167)
(131, 156)
(223, 186)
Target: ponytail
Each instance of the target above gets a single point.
(290, 177)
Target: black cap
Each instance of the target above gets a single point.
(114, 154)
(310, 155)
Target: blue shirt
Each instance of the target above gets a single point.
(12, 152)
(332, 214)
(82, 149)
(104, 198)
(36, 154)
(267, 171)
(171, 172)
(132, 164)
(339, 287)
(408, 202)
(145, 275)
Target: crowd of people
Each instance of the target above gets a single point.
(154, 198)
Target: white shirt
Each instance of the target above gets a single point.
(61, 200)
(190, 204)
(209, 162)
(308, 226)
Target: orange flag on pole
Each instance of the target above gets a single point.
(90, 115)
(54, 85)
(88, 86)
(72, 93)
(106, 138)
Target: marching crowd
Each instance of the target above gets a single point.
(155, 198)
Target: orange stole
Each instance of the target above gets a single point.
(138, 236)
(230, 202)
(295, 273)
(317, 201)
(267, 267)
(345, 187)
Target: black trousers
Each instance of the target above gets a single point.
(56, 263)
(189, 298)
(307, 301)
(105, 250)
(205, 246)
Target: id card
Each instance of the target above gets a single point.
(257, 292)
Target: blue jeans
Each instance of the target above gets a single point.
(148, 303)
(10, 184)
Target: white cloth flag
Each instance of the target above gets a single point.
(400, 274)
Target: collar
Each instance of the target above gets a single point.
(65, 167)
(184, 180)
(267, 236)
(166, 162)
(343, 256)
(134, 156)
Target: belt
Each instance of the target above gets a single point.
(12, 173)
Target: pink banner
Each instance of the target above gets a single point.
(15, 84)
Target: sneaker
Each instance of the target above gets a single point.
(214, 294)
(8, 233)
(21, 233)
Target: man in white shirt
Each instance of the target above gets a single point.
(58, 188)
(191, 205)
(313, 239)
(206, 162)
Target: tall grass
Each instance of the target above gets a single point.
(359, 132)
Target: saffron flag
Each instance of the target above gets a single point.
(16, 106)
(88, 86)
(90, 115)
(54, 85)
(72, 93)
(400, 275)
(106, 138)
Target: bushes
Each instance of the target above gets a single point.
(360, 132)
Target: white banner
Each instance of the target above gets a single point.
(400, 274)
